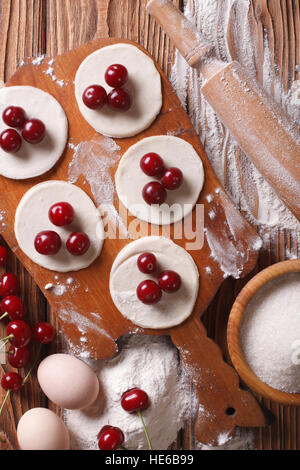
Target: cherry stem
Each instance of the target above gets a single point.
(4, 343)
(7, 338)
(26, 377)
(4, 401)
(33, 365)
(4, 315)
(145, 430)
(122, 447)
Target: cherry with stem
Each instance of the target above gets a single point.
(12, 381)
(136, 400)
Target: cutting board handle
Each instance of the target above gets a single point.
(192, 46)
(222, 404)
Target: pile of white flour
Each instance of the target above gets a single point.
(152, 364)
(270, 334)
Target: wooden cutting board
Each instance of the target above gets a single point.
(87, 301)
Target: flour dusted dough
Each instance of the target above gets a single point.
(125, 276)
(130, 179)
(32, 218)
(34, 160)
(144, 86)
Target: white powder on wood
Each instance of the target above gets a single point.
(270, 333)
(243, 440)
(218, 21)
(51, 73)
(38, 60)
(147, 362)
(94, 161)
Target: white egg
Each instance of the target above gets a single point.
(68, 382)
(41, 429)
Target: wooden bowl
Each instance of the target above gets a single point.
(234, 327)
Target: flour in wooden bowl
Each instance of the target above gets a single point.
(270, 333)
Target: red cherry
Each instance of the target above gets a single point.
(94, 97)
(11, 381)
(104, 428)
(43, 333)
(13, 307)
(147, 263)
(169, 281)
(148, 292)
(47, 243)
(78, 243)
(172, 178)
(152, 164)
(116, 75)
(9, 285)
(134, 399)
(154, 193)
(21, 333)
(33, 131)
(18, 357)
(10, 141)
(119, 100)
(3, 255)
(61, 213)
(14, 116)
(110, 438)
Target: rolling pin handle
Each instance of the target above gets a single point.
(192, 46)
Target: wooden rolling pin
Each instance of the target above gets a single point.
(265, 134)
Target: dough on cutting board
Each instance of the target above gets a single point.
(125, 276)
(34, 160)
(130, 179)
(144, 86)
(32, 218)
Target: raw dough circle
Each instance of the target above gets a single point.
(125, 276)
(32, 218)
(144, 86)
(130, 179)
(34, 160)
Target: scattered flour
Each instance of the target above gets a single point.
(219, 20)
(60, 288)
(2, 219)
(94, 161)
(84, 323)
(51, 73)
(38, 60)
(48, 286)
(150, 363)
(243, 440)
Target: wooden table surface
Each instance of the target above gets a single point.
(32, 27)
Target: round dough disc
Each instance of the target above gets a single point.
(130, 179)
(125, 276)
(32, 218)
(144, 86)
(34, 160)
